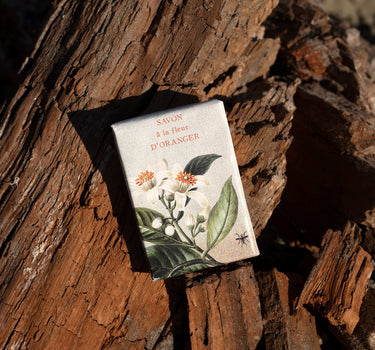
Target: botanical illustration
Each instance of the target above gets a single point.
(171, 235)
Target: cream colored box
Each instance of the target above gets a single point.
(186, 189)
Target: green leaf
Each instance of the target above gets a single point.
(145, 217)
(200, 164)
(222, 216)
(168, 261)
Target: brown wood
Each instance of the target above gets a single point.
(260, 132)
(262, 124)
(331, 160)
(284, 328)
(71, 268)
(338, 281)
(224, 310)
(362, 337)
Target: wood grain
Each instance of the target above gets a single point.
(72, 270)
(338, 282)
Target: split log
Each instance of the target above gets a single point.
(345, 134)
(331, 163)
(71, 269)
(284, 328)
(363, 336)
(261, 124)
(338, 281)
(224, 311)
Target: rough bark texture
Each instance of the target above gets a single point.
(224, 311)
(72, 271)
(66, 269)
(260, 132)
(260, 124)
(283, 327)
(333, 128)
(338, 282)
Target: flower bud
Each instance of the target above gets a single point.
(202, 228)
(169, 197)
(169, 230)
(157, 223)
(200, 219)
(189, 221)
(203, 214)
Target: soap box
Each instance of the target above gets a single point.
(186, 189)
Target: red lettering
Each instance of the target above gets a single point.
(168, 120)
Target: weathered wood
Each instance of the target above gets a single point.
(331, 163)
(65, 267)
(339, 137)
(338, 281)
(362, 337)
(224, 310)
(72, 271)
(283, 327)
(260, 133)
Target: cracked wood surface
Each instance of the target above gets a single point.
(224, 311)
(260, 132)
(71, 269)
(338, 281)
(333, 149)
(284, 327)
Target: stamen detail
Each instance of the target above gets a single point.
(186, 178)
(144, 177)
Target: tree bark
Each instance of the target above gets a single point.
(284, 327)
(224, 310)
(338, 282)
(72, 269)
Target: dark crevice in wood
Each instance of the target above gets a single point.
(178, 305)
(95, 61)
(220, 79)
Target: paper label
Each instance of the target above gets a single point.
(186, 189)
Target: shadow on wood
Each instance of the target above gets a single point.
(94, 129)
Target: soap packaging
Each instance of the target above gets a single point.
(186, 189)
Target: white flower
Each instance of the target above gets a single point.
(149, 182)
(203, 214)
(157, 223)
(169, 230)
(189, 221)
(184, 185)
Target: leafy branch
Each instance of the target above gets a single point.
(174, 250)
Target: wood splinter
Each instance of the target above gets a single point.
(338, 281)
